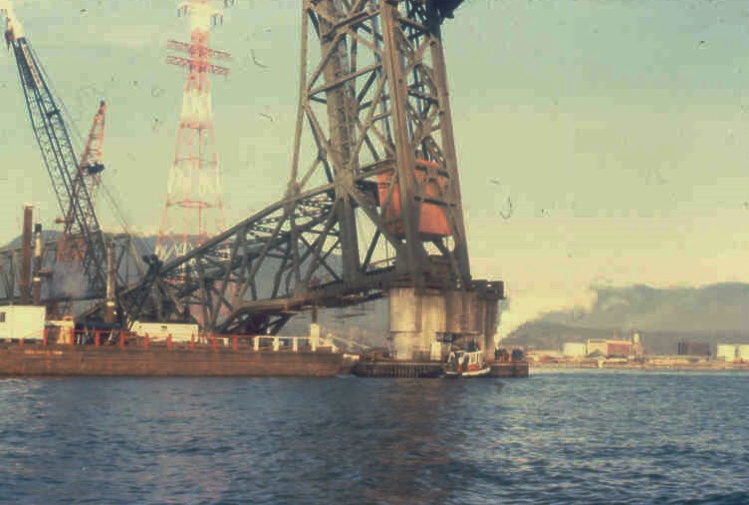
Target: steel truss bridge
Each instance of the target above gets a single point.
(373, 201)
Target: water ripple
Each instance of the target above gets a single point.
(568, 438)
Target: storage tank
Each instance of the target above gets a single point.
(726, 351)
(574, 350)
(433, 179)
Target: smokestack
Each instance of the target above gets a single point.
(25, 281)
(109, 309)
(37, 281)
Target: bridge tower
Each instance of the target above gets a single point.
(375, 98)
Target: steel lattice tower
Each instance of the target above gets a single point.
(194, 204)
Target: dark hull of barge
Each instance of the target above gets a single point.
(67, 361)
(430, 369)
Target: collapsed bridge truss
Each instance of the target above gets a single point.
(373, 200)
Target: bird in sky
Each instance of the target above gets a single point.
(507, 213)
(256, 61)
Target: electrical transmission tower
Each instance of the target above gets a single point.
(194, 204)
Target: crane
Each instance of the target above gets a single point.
(86, 178)
(68, 180)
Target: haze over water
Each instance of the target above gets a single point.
(556, 438)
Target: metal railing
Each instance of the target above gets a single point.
(122, 339)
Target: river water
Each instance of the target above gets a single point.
(555, 438)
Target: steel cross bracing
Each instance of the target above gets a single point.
(377, 202)
(10, 270)
(59, 158)
(128, 268)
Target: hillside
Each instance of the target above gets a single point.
(714, 313)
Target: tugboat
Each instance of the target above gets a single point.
(466, 363)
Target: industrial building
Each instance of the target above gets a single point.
(609, 348)
(574, 350)
(732, 352)
(692, 348)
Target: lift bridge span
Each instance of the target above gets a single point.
(373, 204)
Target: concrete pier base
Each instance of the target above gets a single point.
(416, 317)
(424, 322)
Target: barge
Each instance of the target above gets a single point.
(385, 368)
(36, 360)
(32, 346)
(456, 358)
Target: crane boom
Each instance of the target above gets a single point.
(51, 133)
(86, 179)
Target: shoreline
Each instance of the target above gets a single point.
(708, 366)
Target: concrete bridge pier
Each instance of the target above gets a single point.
(421, 319)
(416, 317)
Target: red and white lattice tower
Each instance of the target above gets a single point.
(194, 207)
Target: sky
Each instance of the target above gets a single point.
(600, 142)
